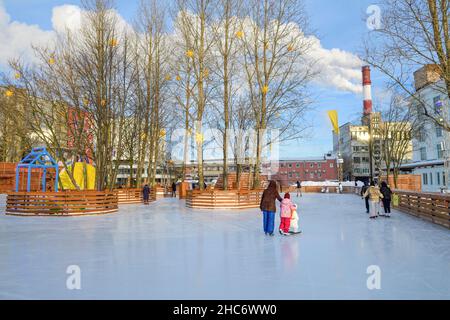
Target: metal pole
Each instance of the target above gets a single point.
(17, 178)
(29, 179)
(370, 150)
(56, 178)
(44, 178)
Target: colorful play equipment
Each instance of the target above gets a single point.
(78, 175)
(38, 158)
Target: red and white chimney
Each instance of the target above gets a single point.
(367, 90)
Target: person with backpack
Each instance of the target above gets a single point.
(374, 194)
(387, 196)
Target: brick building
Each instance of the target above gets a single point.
(306, 169)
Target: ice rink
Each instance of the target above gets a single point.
(166, 251)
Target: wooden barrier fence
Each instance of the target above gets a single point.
(130, 196)
(65, 203)
(428, 206)
(220, 199)
(317, 189)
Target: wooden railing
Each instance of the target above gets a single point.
(318, 189)
(66, 203)
(130, 196)
(220, 199)
(428, 206)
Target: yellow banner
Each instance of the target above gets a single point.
(333, 115)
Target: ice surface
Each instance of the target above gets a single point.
(167, 251)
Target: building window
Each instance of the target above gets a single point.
(425, 179)
(443, 178)
(298, 165)
(437, 102)
(423, 153)
(319, 165)
(438, 131)
(438, 178)
(331, 165)
(311, 175)
(311, 165)
(440, 152)
(431, 178)
(421, 135)
(320, 175)
(290, 165)
(357, 160)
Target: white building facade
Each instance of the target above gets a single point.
(431, 146)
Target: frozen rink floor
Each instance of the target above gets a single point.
(166, 251)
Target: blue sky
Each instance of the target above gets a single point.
(337, 23)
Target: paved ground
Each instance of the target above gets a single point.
(165, 251)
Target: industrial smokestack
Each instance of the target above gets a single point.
(367, 90)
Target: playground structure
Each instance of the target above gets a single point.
(83, 174)
(39, 159)
(8, 178)
(47, 203)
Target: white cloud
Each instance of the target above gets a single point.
(66, 17)
(16, 38)
(338, 69)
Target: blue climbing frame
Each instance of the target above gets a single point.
(38, 158)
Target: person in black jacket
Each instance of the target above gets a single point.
(146, 194)
(387, 195)
(174, 189)
(363, 190)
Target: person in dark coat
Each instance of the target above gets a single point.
(174, 189)
(146, 193)
(363, 191)
(387, 195)
(299, 188)
(268, 207)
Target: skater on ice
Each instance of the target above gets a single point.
(387, 195)
(366, 198)
(146, 194)
(174, 189)
(299, 188)
(287, 207)
(374, 194)
(268, 207)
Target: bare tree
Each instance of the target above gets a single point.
(227, 32)
(16, 137)
(413, 34)
(77, 95)
(277, 68)
(194, 22)
(398, 127)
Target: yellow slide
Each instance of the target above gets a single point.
(79, 177)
